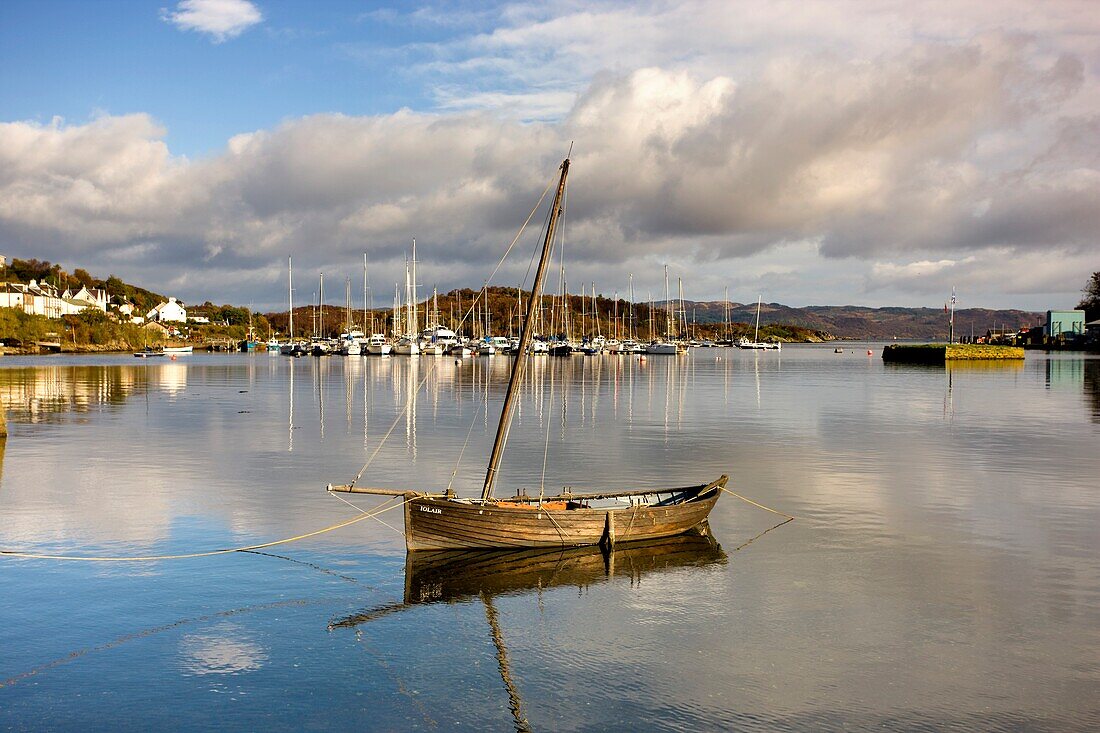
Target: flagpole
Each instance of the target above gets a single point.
(951, 329)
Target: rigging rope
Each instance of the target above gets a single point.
(546, 443)
(397, 419)
(208, 553)
(507, 251)
(466, 442)
(393, 425)
(361, 510)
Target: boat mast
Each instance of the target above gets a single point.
(756, 336)
(321, 307)
(396, 313)
(726, 313)
(347, 305)
(414, 331)
(365, 294)
(615, 331)
(681, 321)
(520, 360)
(651, 316)
(632, 332)
(408, 299)
(596, 311)
(290, 293)
(668, 310)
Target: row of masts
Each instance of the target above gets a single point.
(475, 320)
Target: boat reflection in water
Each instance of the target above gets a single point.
(456, 576)
(448, 576)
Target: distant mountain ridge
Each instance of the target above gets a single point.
(861, 322)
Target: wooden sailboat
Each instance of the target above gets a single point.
(442, 520)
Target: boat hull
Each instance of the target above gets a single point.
(437, 523)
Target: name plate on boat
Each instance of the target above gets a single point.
(431, 510)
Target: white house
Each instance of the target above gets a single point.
(12, 295)
(173, 310)
(34, 298)
(88, 298)
(124, 307)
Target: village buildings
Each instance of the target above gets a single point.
(43, 299)
(172, 311)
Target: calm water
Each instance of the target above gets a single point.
(943, 572)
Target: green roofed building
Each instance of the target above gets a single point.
(1070, 323)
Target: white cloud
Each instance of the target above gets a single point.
(221, 19)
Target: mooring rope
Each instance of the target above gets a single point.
(208, 553)
(760, 506)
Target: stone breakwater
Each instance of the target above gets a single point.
(942, 353)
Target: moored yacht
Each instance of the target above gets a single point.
(406, 346)
(377, 345)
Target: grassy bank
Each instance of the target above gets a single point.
(942, 353)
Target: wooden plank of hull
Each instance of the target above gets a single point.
(433, 523)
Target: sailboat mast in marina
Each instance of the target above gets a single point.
(437, 521)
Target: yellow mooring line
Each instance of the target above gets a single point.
(760, 506)
(208, 553)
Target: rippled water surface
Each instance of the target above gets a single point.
(943, 571)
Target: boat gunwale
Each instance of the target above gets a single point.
(500, 504)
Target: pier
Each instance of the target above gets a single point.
(942, 353)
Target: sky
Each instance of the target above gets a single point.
(874, 152)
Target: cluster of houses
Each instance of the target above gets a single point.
(1063, 329)
(43, 299)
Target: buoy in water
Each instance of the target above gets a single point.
(868, 352)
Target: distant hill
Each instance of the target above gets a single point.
(813, 323)
(860, 322)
